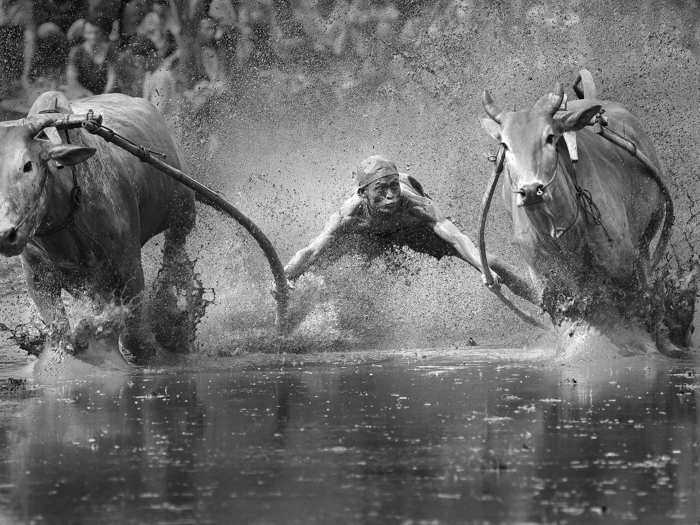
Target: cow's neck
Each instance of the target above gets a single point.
(63, 201)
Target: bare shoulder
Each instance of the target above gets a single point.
(412, 186)
(416, 201)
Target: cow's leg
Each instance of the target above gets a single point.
(44, 287)
(181, 222)
(136, 339)
(171, 312)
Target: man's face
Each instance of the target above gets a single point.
(383, 194)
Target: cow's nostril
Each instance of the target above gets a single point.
(12, 235)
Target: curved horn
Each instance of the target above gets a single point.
(559, 93)
(36, 123)
(492, 110)
(13, 123)
(551, 102)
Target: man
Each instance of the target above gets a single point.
(391, 209)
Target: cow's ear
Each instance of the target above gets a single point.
(70, 154)
(575, 120)
(492, 127)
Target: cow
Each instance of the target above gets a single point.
(78, 210)
(582, 225)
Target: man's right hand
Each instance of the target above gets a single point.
(273, 289)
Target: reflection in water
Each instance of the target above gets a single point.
(426, 439)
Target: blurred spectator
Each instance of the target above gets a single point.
(256, 21)
(14, 17)
(131, 15)
(211, 56)
(153, 27)
(47, 38)
(134, 62)
(108, 14)
(214, 82)
(196, 50)
(91, 64)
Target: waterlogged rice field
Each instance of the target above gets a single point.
(435, 436)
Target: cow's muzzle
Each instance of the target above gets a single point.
(531, 194)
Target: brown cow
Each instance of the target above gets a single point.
(90, 244)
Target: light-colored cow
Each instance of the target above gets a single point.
(581, 225)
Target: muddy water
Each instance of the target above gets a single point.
(411, 437)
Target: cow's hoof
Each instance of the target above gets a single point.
(669, 349)
(137, 353)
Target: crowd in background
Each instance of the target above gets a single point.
(165, 49)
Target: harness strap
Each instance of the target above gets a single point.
(585, 202)
(75, 199)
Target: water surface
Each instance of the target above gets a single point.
(413, 437)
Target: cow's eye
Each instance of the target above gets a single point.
(27, 166)
(550, 139)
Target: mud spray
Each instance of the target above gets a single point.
(282, 150)
(284, 154)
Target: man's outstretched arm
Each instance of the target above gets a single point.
(445, 229)
(304, 258)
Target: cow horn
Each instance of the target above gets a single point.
(36, 123)
(13, 123)
(551, 102)
(559, 92)
(492, 110)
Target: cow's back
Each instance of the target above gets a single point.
(620, 185)
(131, 189)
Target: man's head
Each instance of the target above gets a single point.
(378, 180)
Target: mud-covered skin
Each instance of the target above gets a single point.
(395, 211)
(124, 203)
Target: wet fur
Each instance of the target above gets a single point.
(125, 202)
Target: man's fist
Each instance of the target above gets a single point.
(496, 281)
(273, 288)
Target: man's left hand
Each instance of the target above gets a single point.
(496, 281)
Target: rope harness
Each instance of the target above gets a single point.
(498, 161)
(75, 197)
